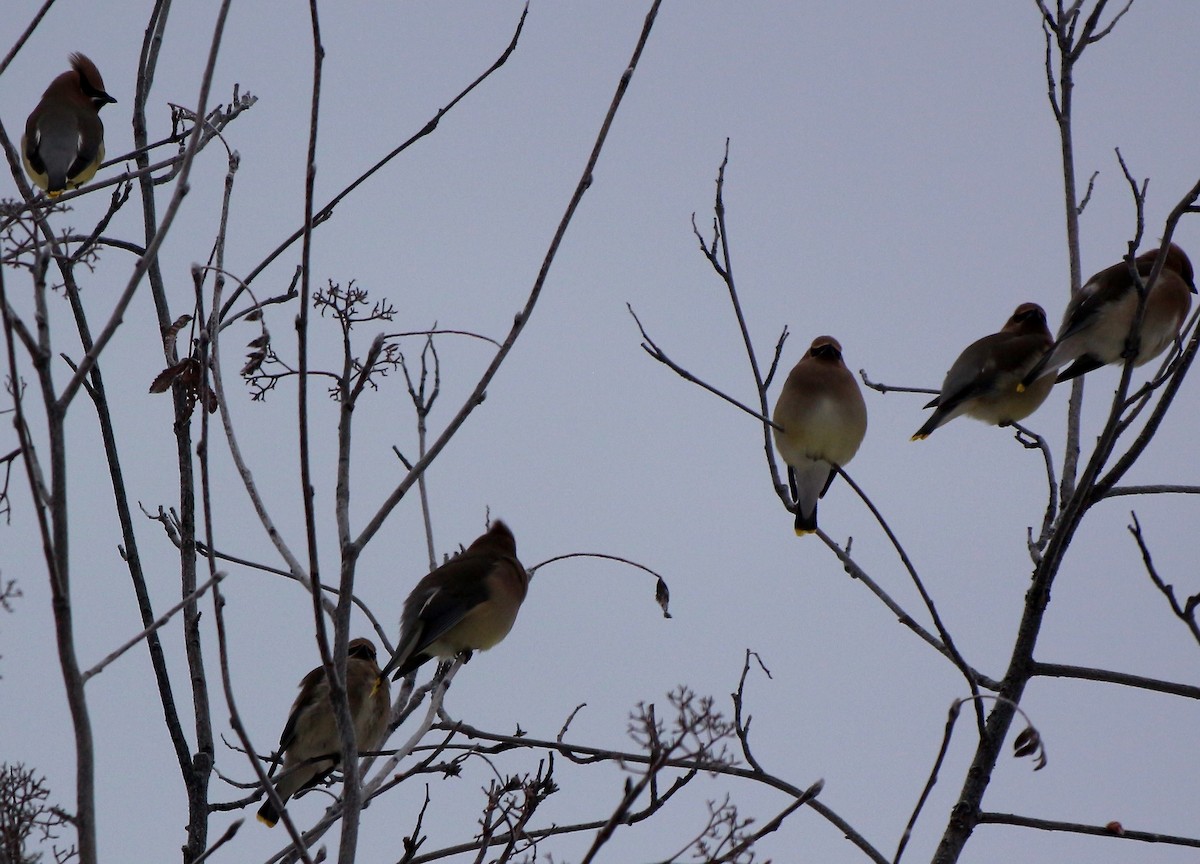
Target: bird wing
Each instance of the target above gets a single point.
(308, 687)
(1099, 291)
(90, 143)
(438, 603)
(972, 374)
(446, 604)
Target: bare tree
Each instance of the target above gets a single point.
(1132, 420)
(223, 346)
(670, 751)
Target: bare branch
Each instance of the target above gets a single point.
(1112, 829)
(326, 211)
(651, 348)
(891, 388)
(1030, 440)
(662, 593)
(951, 650)
(1061, 670)
(522, 317)
(1159, 489)
(1185, 613)
(162, 619)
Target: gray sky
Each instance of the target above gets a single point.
(894, 180)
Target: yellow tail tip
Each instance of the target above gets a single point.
(264, 820)
(1021, 387)
(804, 532)
(919, 436)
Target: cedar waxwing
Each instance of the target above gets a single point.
(984, 381)
(63, 143)
(1099, 316)
(468, 603)
(823, 420)
(311, 730)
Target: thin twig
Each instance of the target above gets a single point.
(573, 751)
(1107, 676)
(1113, 830)
(1185, 613)
(892, 388)
(651, 348)
(1158, 489)
(951, 650)
(522, 318)
(24, 37)
(1030, 440)
(162, 619)
(327, 209)
(224, 838)
(857, 572)
(1035, 749)
(662, 593)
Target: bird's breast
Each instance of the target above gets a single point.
(479, 629)
(825, 429)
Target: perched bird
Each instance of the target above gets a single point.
(985, 380)
(467, 604)
(1100, 315)
(63, 143)
(311, 730)
(822, 419)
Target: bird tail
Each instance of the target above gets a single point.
(292, 780)
(811, 482)
(1081, 366)
(1036, 372)
(403, 660)
(267, 814)
(934, 421)
(805, 524)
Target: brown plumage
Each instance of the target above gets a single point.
(311, 730)
(467, 604)
(823, 419)
(985, 380)
(63, 143)
(1097, 321)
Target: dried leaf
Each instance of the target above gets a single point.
(253, 362)
(187, 374)
(1026, 743)
(662, 594)
(163, 380)
(1115, 827)
(173, 331)
(253, 315)
(260, 342)
(1029, 743)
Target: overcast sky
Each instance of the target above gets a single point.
(894, 181)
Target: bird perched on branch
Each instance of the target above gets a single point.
(63, 143)
(310, 741)
(1096, 324)
(468, 604)
(985, 381)
(821, 420)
